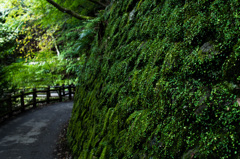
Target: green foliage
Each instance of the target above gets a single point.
(74, 43)
(76, 39)
(30, 29)
(160, 82)
(45, 69)
(7, 40)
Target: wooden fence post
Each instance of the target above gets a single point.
(34, 97)
(22, 101)
(63, 87)
(70, 92)
(9, 102)
(60, 94)
(48, 94)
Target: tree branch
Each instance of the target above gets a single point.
(68, 11)
(98, 3)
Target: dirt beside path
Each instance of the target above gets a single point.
(34, 134)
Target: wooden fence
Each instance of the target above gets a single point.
(25, 100)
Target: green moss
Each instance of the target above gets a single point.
(161, 83)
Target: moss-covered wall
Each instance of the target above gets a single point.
(160, 81)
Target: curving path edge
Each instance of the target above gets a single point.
(33, 135)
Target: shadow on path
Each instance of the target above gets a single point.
(33, 135)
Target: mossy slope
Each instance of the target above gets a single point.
(160, 82)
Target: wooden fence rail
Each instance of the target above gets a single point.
(25, 100)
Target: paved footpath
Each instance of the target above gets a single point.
(33, 134)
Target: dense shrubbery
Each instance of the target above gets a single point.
(160, 82)
(41, 44)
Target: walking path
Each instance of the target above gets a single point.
(33, 135)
